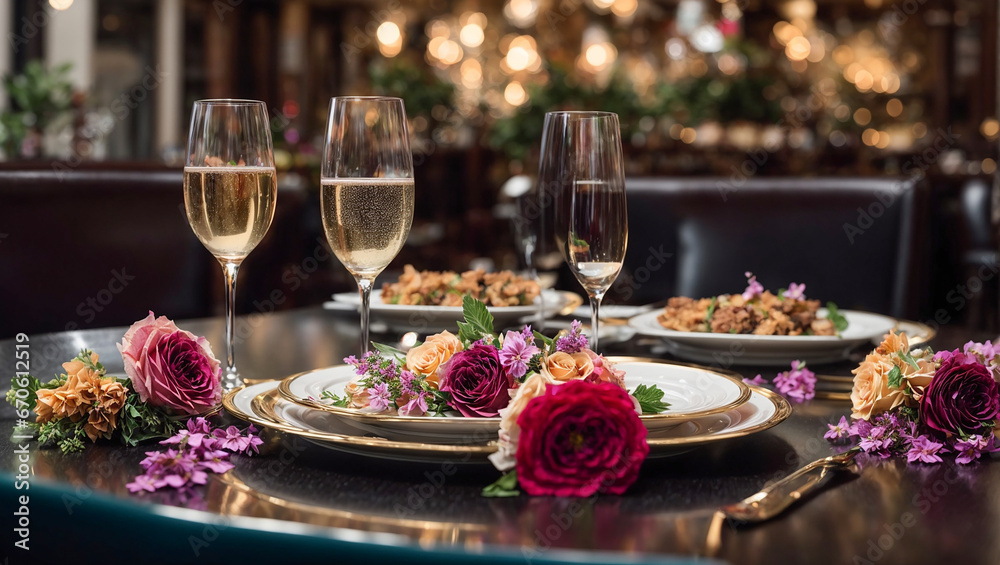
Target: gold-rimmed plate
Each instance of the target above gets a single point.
(917, 334)
(691, 390)
(262, 405)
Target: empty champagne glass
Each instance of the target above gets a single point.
(581, 169)
(230, 191)
(366, 188)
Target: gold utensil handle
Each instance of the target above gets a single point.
(775, 498)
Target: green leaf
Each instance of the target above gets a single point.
(341, 401)
(503, 487)
(905, 356)
(650, 399)
(833, 314)
(895, 377)
(478, 321)
(711, 309)
(390, 350)
(547, 341)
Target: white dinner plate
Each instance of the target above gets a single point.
(260, 404)
(427, 318)
(749, 349)
(691, 392)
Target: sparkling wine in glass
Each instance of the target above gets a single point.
(366, 188)
(230, 191)
(582, 172)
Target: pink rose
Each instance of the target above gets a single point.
(579, 438)
(171, 368)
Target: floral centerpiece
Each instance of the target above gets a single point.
(171, 374)
(923, 405)
(567, 424)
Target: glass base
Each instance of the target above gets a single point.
(231, 380)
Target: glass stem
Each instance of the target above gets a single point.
(365, 287)
(230, 378)
(595, 318)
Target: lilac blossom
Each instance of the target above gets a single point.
(973, 447)
(529, 336)
(574, 341)
(379, 397)
(795, 291)
(798, 384)
(233, 439)
(406, 379)
(416, 406)
(756, 381)
(839, 431)
(754, 288)
(516, 353)
(925, 450)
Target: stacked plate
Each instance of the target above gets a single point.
(706, 406)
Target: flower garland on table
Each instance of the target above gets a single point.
(568, 426)
(921, 405)
(171, 374)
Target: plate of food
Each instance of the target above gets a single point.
(689, 391)
(432, 300)
(758, 327)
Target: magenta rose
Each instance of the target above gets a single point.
(171, 368)
(962, 397)
(580, 438)
(478, 385)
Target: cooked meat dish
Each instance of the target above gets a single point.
(766, 314)
(448, 288)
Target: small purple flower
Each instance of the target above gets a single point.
(379, 397)
(416, 406)
(795, 291)
(140, 483)
(839, 431)
(406, 379)
(516, 353)
(756, 381)
(925, 450)
(574, 341)
(754, 288)
(973, 447)
(216, 461)
(877, 442)
(232, 439)
(197, 430)
(799, 384)
(859, 428)
(529, 336)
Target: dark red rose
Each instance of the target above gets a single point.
(962, 397)
(477, 383)
(579, 438)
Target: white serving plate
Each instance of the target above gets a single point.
(425, 319)
(749, 349)
(691, 392)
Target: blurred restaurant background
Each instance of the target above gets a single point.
(97, 96)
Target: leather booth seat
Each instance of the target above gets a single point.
(853, 241)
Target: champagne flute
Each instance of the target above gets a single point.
(366, 188)
(230, 191)
(581, 169)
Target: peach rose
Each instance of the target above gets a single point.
(871, 394)
(561, 366)
(428, 357)
(584, 363)
(535, 385)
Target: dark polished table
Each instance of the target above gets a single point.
(301, 503)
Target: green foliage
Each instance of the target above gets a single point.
(40, 96)
(340, 401)
(833, 314)
(138, 421)
(420, 89)
(895, 377)
(650, 399)
(908, 359)
(478, 322)
(503, 487)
